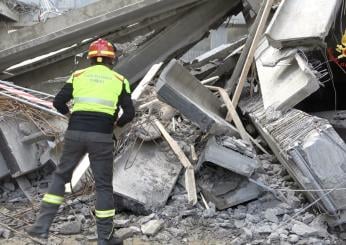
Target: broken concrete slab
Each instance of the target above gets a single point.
(143, 175)
(226, 189)
(308, 26)
(178, 88)
(20, 158)
(227, 158)
(285, 77)
(311, 151)
(217, 53)
(4, 171)
(93, 20)
(337, 119)
(189, 29)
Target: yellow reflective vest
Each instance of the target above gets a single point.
(97, 89)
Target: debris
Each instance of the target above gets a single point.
(288, 29)
(177, 87)
(317, 169)
(283, 92)
(146, 219)
(225, 188)
(189, 172)
(187, 29)
(143, 174)
(71, 228)
(231, 159)
(125, 233)
(152, 227)
(251, 52)
(302, 229)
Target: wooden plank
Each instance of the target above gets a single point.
(244, 135)
(174, 145)
(145, 81)
(190, 185)
(250, 56)
(193, 153)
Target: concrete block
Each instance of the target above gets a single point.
(299, 22)
(75, 26)
(143, 175)
(4, 171)
(20, 158)
(304, 230)
(226, 189)
(152, 227)
(177, 87)
(125, 233)
(176, 38)
(227, 158)
(285, 77)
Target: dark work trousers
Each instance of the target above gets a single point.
(100, 149)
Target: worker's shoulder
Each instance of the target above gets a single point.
(119, 76)
(79, 72)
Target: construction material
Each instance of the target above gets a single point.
(96, 19)
(4, 171)
(188, 29)
(308, 26)
(36, 137)
(5, 11)
(285, 77)
(220, 52)
(231, 84)
(232, 113)
(189, 173)
(36, 99)
(311, 151)
(143, 175)
(226, 189)
(227, 158)
(249, 58)
(20, 158)
(145, 81)
(178, 88)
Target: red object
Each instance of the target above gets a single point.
(101, 48)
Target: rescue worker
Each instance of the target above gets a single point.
(97, 93)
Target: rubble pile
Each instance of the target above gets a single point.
(208, 159)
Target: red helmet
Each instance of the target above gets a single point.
(101, 48)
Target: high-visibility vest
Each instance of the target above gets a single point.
(97, 89)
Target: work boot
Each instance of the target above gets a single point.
(105, 232)
(40, 228)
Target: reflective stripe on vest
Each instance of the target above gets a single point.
(53, 199)
(93, 100)
(105, 213)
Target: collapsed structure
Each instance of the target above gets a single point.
(186, 122)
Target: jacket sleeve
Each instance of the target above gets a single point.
(64, 96)
(125, 102)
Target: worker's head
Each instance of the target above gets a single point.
(102, 52)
